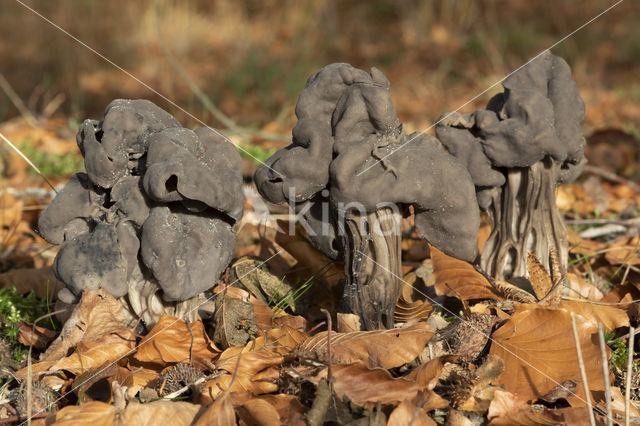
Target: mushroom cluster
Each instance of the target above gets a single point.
(152, 221)
(517, 150)
(351, 188)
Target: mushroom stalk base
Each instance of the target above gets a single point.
(525, 219)
(373, 266)
(144, 301)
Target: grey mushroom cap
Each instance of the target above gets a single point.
(69, 213)
(157, 198)
(538, 115)
(186, 252)
(112, 147)
(101, 258)
(200, 166)
(349, 120)
(302, 168)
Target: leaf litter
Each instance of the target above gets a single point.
(502, 355)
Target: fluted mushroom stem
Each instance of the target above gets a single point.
(373, 266)
(525, 219)
(144, 301)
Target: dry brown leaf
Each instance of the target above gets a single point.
(576, 286)
(95, 413)
(407, 309)
(624, 252)
(97, 314)
(456, 418)
(506, 409)
(219, 413)
(511, 292)
(235, 322)
(610, 316)
(427, 374)
(259, 412)
(348, 323)
(175, 413)
(281, 340)
(310, 260)
(251, 363)
(584, 247)
(289, 408)
(379, 348)
(457, 278)
(480, 394)
(115, 346)
(539, 353)
(171, 341)
(538, 276)
(408, 412)
(41, 281)
(30, 334)
(365, 387)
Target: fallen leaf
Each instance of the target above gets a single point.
(347, 323)
(95, 413)
(235, 322)
(457, 278)
(409, 412)
(248, 367)
(289, 407)
(176, 413)
(506, 409)
(219, 413)
(428, 374)
(98, 354)
(610, 316)
(576, 286)
(365, 387)
(33, 335)
(379, 348)
(407, 309)
(96, 315)
(539, 352)
(10, 210)
(624, 252)
(172, 340)
(259, 412)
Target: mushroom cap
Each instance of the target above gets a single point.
(302, 168)
(347, 124)
(537, 115)
(108, 146)
(540, 114)
(103, 258)
(69, 213)
(186, 252)
(154, 193)
(197, 167)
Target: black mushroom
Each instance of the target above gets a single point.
(351, 188)
(152, 221)
(526, 142)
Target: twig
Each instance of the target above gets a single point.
(611, 176)
(29, 162)
(23, 418)
(583, 372)
(329, 326)
(605, 373)
(627, 388)
(17, 102)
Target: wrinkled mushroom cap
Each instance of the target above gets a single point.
(347, 124)
(538, 115)
(109, 145)
(156, 198)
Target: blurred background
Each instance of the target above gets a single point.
(251, 58)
